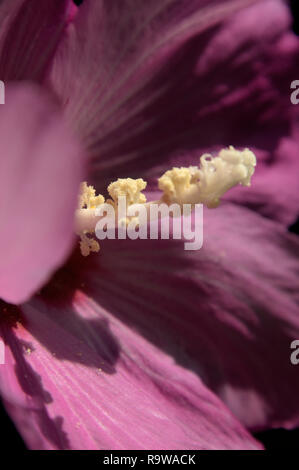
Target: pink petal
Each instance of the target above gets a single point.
(228, 312)
(40, 171)
(75, 381)
(163, 94)
(29, 35)
(104, 69)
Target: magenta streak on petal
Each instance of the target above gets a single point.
(30, 33)
(113, 64)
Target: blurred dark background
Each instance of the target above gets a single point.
(277, 439)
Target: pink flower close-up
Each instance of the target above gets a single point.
(143, 344)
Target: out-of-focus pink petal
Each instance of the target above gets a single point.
(70, 384)
(274, 189)
(40, 171)
(106, 70)
(228, 312)
(29, 34)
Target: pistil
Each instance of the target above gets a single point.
(204, 184)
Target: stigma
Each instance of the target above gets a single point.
(204, 184)
(208, 182)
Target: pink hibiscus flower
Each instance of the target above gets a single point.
(147, 345)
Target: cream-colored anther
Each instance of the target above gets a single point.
(85, 218)
(129, 188)
(208, 182)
